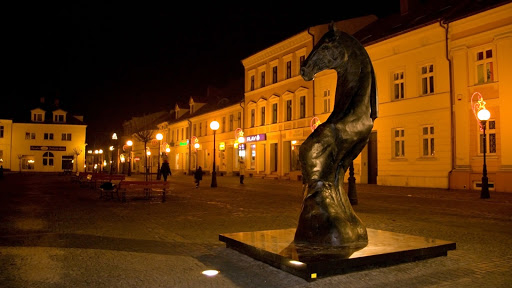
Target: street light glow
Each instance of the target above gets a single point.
(159, 136)
(214, 125)
(484, 114)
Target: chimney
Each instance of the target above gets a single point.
(407, 6)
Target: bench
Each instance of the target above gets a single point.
(79, 177)
(142, 189)
(99, 178)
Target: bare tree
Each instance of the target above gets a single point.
(143, 129)
(77, 152)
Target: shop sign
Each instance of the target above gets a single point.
(255, 138)
(48, 148)
(222, 146)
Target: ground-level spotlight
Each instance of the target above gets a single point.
(210, 272)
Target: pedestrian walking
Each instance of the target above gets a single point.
(242, 171)
(165, 170)
(198, 176)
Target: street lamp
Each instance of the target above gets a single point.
(148, 153)
(129, 143)
(159, 137)
(214, 125)
(114, 139)
(111, 148)
(196, 145)
(483, 116)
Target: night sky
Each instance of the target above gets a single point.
(114, 60)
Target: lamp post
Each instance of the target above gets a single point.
(148, 153)
(483, 116)
(159, 137)
(114, 139)
(214, 125)
(129, 143)
(196, 145)
(111, 148)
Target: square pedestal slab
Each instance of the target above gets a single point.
(276, 248)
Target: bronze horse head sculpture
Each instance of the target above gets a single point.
(327, 217)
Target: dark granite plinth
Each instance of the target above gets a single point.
(276, 248)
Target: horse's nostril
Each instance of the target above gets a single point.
(302, 71)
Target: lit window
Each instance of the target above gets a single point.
(327, 101)
(428, 141)
(302, 112)
(427, 79)
(484, 66)
(399, 140)
(490, 133)
(398, 85)
(262, 116)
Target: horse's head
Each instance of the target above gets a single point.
(328, 53)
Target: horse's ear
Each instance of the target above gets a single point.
(332, 26)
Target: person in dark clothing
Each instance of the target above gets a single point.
(242, 171)
(165, 170)
(198, 176)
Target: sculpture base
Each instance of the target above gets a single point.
(276, 248)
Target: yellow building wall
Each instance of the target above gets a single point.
(492, 30)
(22, 146)
(408, 53)
(5, 144)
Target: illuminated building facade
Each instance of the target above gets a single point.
(51, 140)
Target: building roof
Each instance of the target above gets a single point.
(423, 13)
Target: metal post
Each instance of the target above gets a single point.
(130, 162)
(214, 173)
(158, 175)
(484, 194)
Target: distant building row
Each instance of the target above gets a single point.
(429, 62)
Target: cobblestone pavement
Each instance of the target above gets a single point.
(54, 233)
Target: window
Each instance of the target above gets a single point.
(302, 107)
(274, 113)
(195, 130)
(484, 66)
(399, 139)
(302, 59)
(66, 136)
(427, 79)
(288, 69)
(327, 101)
(48, 159)
(231, 122)
(398, 85)
(38, 117)
(1, 156)
(253, 117)
(288, 110)
(240, 119)
(274, 74)
(252, 82)
(200, 129)
(1, 131)
(182, 134)
(59, 118)
(177, 135)
(262, 79)
(490, 133)
(262, 116)
(48, 136)
(223, 124)
(428, 141)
